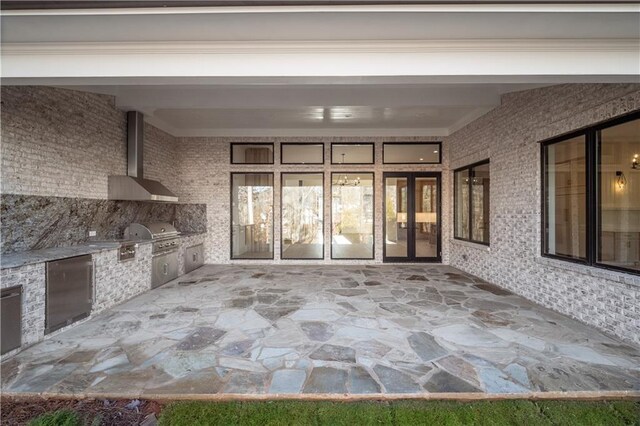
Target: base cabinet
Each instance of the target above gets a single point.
(193, 257)
(164, 269)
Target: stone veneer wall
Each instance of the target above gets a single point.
(509, 136)
(116, 281)
(65, 143)
(205, 178)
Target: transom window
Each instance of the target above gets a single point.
(412, 153)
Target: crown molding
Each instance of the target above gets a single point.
(323, 47)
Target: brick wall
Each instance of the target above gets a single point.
(508, 136)
(117, 281)
(65, 143)
(205, 178)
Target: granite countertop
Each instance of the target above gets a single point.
(14, 260)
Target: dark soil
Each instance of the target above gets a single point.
(19, 411)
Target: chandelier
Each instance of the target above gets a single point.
(344, 181)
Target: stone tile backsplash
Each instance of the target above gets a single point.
(36, 222)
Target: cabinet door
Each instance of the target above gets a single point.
(164, 269)
(193, 258)
(69, 291)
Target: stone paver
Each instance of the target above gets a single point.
(319, 329)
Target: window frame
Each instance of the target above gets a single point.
(250, 143)
(438, 143)
(592, 134)
(373, 153)
(470, 169)
(373, 245)
(273, 209)
(283, 144)
(322, 214)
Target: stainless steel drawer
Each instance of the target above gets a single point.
(193, 258)
(164, 268)
(11, 318)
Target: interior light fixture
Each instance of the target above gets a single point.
(422, 159)
(435, 152)
(634, 162)
(344, 181)
(621, 180)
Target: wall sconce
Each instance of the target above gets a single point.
(621, 180)
(634, 162)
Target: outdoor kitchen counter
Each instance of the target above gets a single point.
(22, 258)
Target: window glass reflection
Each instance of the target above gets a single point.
(619, 184)
(252, 216)
(565, 199)
(461, 184)
(352, 215)
(242, 153)
(480, 192)
(302, 153)
(302, 216)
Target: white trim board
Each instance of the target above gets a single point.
(606, 57)
(602, 7)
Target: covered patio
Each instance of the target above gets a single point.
(273, 329)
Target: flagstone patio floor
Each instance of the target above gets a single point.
(325, 329)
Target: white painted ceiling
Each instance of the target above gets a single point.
(316, 109)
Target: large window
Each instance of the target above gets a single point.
(471, 203)
(302, 216)
(352, 207)
(566, 198)
(252, 216)
(591, 195)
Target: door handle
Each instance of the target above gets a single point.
(165, 268)
(93, 280)
(195, 257)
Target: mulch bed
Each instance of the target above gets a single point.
(125, 412)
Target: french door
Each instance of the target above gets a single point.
(412, 231)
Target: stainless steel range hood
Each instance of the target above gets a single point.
(133, 186)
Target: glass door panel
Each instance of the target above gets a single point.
(396, 210)
(426, 217)
(411, 217)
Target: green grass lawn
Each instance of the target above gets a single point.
(610, 413)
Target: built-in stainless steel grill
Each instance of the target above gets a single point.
(166, 242)
(150, 231)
